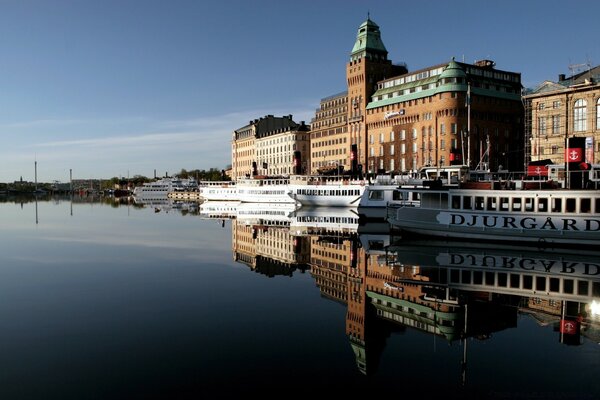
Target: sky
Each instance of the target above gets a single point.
(121, 88)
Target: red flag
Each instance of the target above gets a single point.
(574, 154)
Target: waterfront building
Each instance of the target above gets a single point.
(450, 113)
(329, 144)
(278, 151)
(556, 111)
(287, 135)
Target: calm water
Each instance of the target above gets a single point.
(101, 300)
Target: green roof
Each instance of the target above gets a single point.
(368, 40)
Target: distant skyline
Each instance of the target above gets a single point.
(123, 88)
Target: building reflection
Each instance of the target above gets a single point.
(454, 292)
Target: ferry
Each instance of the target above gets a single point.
(162, 187)
(382, 193)
(499, 211)
(263, 189)
(327, 190)
(218, 190)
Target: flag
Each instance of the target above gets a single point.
(574, 154)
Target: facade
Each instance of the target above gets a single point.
(446, 114)
(368, 64)
(243, 148)
(560, 110)
(275, 150)
(329, 145)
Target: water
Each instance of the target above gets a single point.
(101, 301)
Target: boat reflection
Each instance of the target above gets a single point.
(453, 291)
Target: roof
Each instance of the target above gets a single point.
(368, 39)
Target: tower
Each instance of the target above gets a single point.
(368, 65)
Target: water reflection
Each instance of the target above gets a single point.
(450, 290)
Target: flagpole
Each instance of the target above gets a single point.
(469, 125)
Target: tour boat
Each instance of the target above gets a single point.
(262, 189)
(542, 216)
(162, 187)
(218, 190)
(382, 193)
(331, 191)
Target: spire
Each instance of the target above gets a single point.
(368, 42)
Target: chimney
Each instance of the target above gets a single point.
(561, 77)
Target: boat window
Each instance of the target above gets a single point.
(540, 283)
(454, 276)
(554, 285)
(529, 201)
(543, 204)
(479, 204)
(585, 205)
(490, 278)
(556, 205)
(477, 277)
(597, 208)
(571, 205)
(595, 289)
(583, 288)
(516, 204)
(504, 204)
(397, 195)
(467, 203)
(455, 202)
(491, 204)
(502, 279)
(568, 286)
(515, 280)
(527, 282)
(466, 276)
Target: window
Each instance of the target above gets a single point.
(392, 150)
(372, 151)
(541, 126)
(580, 116)
(414, 133)
(598, 114)
(402, 134)
(392, 164)
(555, 124)
(442, 129)
(403, 148)
(453, 128)
(381, 138)
(371, 139)
(391, 136)
(380, 150)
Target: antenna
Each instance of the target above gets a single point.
(579, 68)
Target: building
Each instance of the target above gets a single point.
(556, 111)
(267, 144)
(451, 113)
(329, 145)
(400, 121)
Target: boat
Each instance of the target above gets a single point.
(499, 211)
(381, 193)
(162, 187)
(265, 214)
(218, 190)
(265, 189)
(338, 221)
(327, 190)
(218, 209)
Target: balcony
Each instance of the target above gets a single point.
(355, 119)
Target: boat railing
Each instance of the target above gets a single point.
(326, 180)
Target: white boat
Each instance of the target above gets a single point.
(329, 191)
(264, 190)
(265, 214)
(218, 190)
(382, 193)
(162, 187)
(543, 216)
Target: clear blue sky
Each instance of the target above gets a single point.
(117, 88)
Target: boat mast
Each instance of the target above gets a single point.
(469, 124)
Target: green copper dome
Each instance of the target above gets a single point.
(368, 41)
(453, 70)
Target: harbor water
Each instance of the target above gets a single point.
(101, 299)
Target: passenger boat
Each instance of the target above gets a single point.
(162, 187)
(382, 192)
(265, 215)
(327, 190)
(324, 220)
(500, 212)
(263, 189)
(218, 190)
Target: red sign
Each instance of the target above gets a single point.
(569, 327)
(537, 170)
(574, 154)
